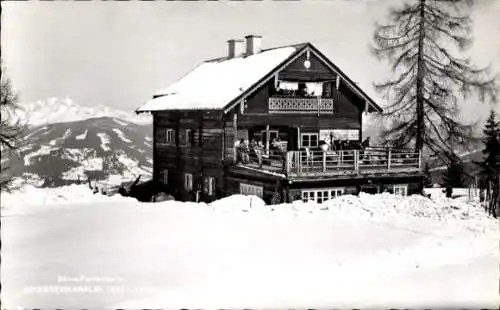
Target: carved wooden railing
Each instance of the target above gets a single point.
(300, 105)
(351, 162)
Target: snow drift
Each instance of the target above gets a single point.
(368, 251)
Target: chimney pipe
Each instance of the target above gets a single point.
(253, 44)
(235, 48)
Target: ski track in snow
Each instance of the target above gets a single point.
(82, 136)
(105, 140)
(121, 135)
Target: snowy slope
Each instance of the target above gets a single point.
(372, 251)
(57, 110)
(65, 152)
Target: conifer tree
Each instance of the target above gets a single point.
(491, 164)
(422, 42)
(491, 151)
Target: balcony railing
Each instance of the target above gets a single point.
(349, 162)
(300, 105)
(337, 163)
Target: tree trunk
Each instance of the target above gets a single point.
(419, 143)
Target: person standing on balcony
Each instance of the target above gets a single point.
(252, 154)
(366, 143)
(245, 151)
(238, 151)
(364, 146)
(280, 148)
(242, 151)
(259, 148)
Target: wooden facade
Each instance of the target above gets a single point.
(195, 155)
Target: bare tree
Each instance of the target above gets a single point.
(423, 43)
(11, 127)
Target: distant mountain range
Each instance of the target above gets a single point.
(56, 110)
(64, 143)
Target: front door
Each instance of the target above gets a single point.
(293, 142)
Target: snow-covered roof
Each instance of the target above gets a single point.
(217, 83)
(214, 84)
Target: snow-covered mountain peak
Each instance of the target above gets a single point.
(58, 110)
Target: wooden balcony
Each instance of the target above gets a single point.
(300, 105)
(351, 162)
(302, 164)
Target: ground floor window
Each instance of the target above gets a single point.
(320, 195)
(164, 176)
(247, 189)
(209, 186)
(400, 189)
(188, 181)
(309, 140)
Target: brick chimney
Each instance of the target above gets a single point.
(235, 48)
(253, 44)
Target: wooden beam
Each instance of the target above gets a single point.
(242, 106)
(268, 136)
(389, 160)
(299, 140)
(155, 149)
(356, 161)
(235, 128)
(420, 159)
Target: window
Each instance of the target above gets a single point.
(209, 186)
(189, 137)
(400, 189)
(247, 189)
(166, 135)
(309, 140)
(164, 176)
(336, 192)
(321, 195)
(188, 181)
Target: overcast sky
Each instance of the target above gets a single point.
(120, 53)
